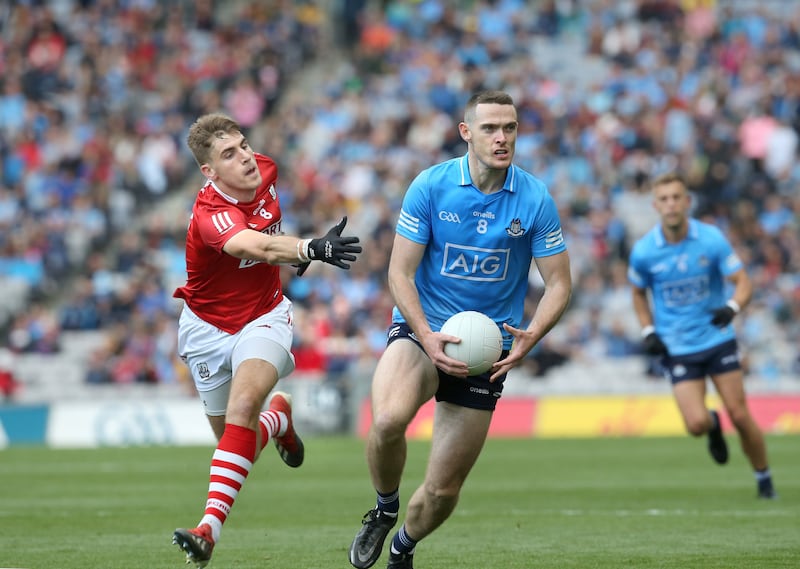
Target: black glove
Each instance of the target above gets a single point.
(654, 346)
(722, 316)
(332, 248)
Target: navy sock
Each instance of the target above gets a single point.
(389, 503)
(402, 543)
(763, 474)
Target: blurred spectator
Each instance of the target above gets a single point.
(80, 310)
(619, 342)
(36, 330)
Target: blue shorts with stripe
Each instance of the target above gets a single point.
(475, 392)
(699, 365)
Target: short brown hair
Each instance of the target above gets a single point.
(203, 132)
(484, 97)
(668, 178)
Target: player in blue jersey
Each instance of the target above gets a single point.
(687, 267)
(467, 232)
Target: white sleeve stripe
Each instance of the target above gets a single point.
(411, 228)
(222, 221)
(408, 217)
(215, 220)
(408, 222)
(553, 239)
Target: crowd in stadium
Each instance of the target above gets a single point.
(97, 183)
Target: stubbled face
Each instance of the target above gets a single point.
(672, 202)
(232, 166)
(492, 134)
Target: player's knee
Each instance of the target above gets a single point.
(698, 426)
(388, 426)
(242, 410)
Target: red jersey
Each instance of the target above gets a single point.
(221, 289)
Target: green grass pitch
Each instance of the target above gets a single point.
(529, 504)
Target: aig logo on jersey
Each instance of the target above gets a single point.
(474, 263)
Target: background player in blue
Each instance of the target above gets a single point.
(467, 232)
(685, 264)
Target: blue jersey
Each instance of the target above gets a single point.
(687, 281)
(478, 247)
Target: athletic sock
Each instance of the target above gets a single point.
(230, 465)
(402, 543)
(389, 503)
(271, 424)
(763, 474)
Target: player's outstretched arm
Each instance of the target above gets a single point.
(332, 248)
(285, 249)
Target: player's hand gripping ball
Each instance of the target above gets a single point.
(481, 340)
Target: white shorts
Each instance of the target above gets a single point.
(214, 355)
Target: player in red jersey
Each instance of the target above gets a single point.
(235, 330)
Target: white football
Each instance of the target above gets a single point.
(481, 340)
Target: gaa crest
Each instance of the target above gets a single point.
(203, 371)
(515, 229)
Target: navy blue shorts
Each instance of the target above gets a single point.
(719, 359)
(475, 392)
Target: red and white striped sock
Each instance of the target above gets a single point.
(230, 465)
(272, 424)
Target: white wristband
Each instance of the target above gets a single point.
(647, 330)
(734, 306)
(302, 250)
